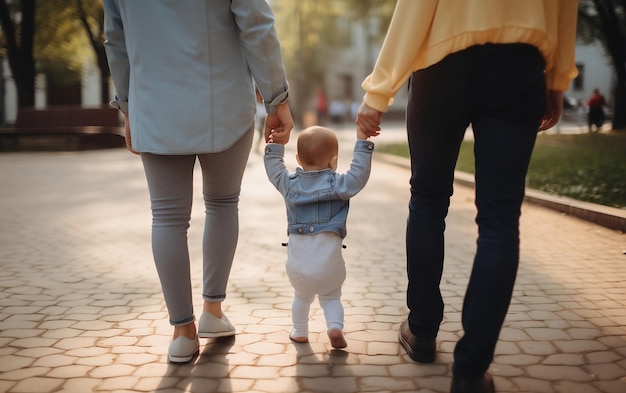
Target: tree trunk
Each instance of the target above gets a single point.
(23, 70)
(611, 22)
(105, 73)
(98, 47)
(21, 59)
(27, 59)
(619, 110)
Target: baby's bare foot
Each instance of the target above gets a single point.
(336, 338)
(298, 339)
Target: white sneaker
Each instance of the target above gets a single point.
(183, 349)
(210, 326)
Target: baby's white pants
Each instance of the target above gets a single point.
(315, 266)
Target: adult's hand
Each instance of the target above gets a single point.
(129, 142)
(368, 120)
(554, 110)
(278, 126)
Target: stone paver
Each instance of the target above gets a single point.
(81, 309)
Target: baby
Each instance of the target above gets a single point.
(317, 200)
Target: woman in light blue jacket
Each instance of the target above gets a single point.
(185, 75)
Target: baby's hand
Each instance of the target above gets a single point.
(278, 135)
(360, 134)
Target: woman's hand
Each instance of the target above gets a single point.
(278, 126)
(554, 110)
(368, 120)
(129, 142)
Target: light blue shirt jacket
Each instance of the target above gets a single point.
(318, 201)
(184, 70)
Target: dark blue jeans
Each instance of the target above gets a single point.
(500, 90)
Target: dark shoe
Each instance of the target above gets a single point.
(419, 349)
(473, 385)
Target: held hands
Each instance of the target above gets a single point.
(278, 126)
(368, 122)
(554, 109)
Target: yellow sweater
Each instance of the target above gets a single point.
(423, 32)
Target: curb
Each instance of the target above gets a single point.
(608, 217)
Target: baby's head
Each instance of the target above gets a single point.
(318, 149)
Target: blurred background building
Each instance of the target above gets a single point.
(329, 47)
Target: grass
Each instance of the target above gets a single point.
(587, 167)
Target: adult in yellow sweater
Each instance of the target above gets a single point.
(501, 66)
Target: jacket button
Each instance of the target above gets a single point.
(300, 230)
(312, 229)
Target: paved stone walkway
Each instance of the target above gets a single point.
(81, 309)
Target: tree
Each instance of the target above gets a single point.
(310, 29)
(75, 36)
(302, 38)
(91, 16)
(57, 43)
(18, 29)
(361, 11)
(604, 21)
(61, 48)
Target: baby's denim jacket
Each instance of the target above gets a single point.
(318, 201)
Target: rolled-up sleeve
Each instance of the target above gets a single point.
(396, 61)
(255, 20)
(117, 56)
(564, 69)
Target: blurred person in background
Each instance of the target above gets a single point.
(595, 116)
